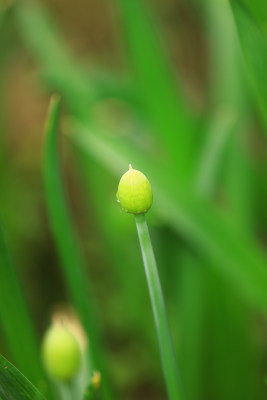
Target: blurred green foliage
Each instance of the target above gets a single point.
(202, 144)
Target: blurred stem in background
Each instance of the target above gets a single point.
(167, 352)
(174, 124)
(72, 264)
(229, 326)
(250, 19)
(230, 318)
(19, 332)
(16, 323)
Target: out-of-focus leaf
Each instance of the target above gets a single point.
(224, 54)
(158, 90)
(231, 355)
(15, 319)
(59, 66)
(220, 128)
(211, 233)
(258, 9)
(73, 266)
(14, 385)
(254, 46)
(80, 85)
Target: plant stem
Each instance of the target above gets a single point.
(65, 391)
(72, 262)
(167, 353)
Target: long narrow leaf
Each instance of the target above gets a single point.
(15, 319)
(158, 91)
(73, 266)
(254, 46)
(14, 385)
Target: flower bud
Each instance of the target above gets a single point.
(61, 353)
(134, 192)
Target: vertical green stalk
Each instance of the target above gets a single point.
(73, 266)
(167, 353)
(173, 122)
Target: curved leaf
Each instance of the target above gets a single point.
(15, 318)
(73, 266)
(14, 385)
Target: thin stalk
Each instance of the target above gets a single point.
(167, 353)
(72, 262)
(65, 391)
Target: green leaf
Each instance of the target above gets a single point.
(57, 63)
(14, 385)
(72, 262)
(80, 85)
(213, 234)
(254, 46)
(15, 320)
(159, 92)
(90, 394)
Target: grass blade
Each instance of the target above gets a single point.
(173, 122)
(72, 263)
(15, 320)
(59, 67)
(13, 385)
(220, 129)
(254, 46)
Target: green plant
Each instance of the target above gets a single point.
(183, 96)
(135, 196)
(72, 261)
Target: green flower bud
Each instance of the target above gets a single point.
(134, 192)
(61, 353)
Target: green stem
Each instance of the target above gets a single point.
(167, 353)
(72, 262)
(65, 391)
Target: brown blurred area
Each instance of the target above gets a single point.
(91, 30)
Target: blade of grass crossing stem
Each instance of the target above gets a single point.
(15, 320)
(72, 263)
(167, 352)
